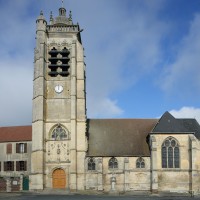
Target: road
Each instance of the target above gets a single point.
(32, 196)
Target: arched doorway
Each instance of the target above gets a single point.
(59, 179)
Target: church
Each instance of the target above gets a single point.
(63, 149)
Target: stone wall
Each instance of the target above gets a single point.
(124, 178)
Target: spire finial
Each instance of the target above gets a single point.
(62, 4)
(70, 15)
(51, 15)
(41, 12)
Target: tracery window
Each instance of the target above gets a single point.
(113, 163)
(91, 164)
(59, 133)
(170, 153)
(140, 163)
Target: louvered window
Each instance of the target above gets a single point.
(59, 62)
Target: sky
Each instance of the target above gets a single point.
(142, 57)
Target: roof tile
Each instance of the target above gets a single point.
(15, 133)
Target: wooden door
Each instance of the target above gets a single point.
(59, 179)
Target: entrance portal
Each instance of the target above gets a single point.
(59, 179)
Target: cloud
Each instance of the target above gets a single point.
(119, 50)
(122, 43)
(182, 77)
(187, 112)
(16, 63)
(15, 93)
(104, 107)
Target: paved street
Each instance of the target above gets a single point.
(30, 196)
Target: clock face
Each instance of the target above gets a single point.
(59, 88)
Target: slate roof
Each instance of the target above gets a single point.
(119, 137)
(15, 133)
(170, 124)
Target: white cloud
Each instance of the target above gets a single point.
(15, 93)
(122, 42)
(182, 77)
(123, 47)
(103, 108)
(187, 112)
(16, 63)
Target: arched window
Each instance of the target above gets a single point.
(113, 163)
(59, 133)
(170, 153)
(91, 164)
(140, 163)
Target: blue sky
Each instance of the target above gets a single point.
(142, 56)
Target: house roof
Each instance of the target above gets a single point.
(169, 124)
(15, 133)
(119, 137)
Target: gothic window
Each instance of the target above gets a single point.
(170, 153)
(59, 62)
(59, 133)
(113, 163)
(91, 164)
(140, 163)
(21, 148)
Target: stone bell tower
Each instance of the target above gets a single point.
(59, 109)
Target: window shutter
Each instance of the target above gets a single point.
(17, 165)
(17, 147)
(25, 165)
(9, 148)
(0, 166)
(12, 167)
(25, 147)
(5, 166)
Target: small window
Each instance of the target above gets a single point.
(21, 148)
(170, 153)
(21, 166)
(0, 166)
(140, 163)
(9, 148)
(59, 133)
(113, 163)
(91, 164)
(9, 166)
